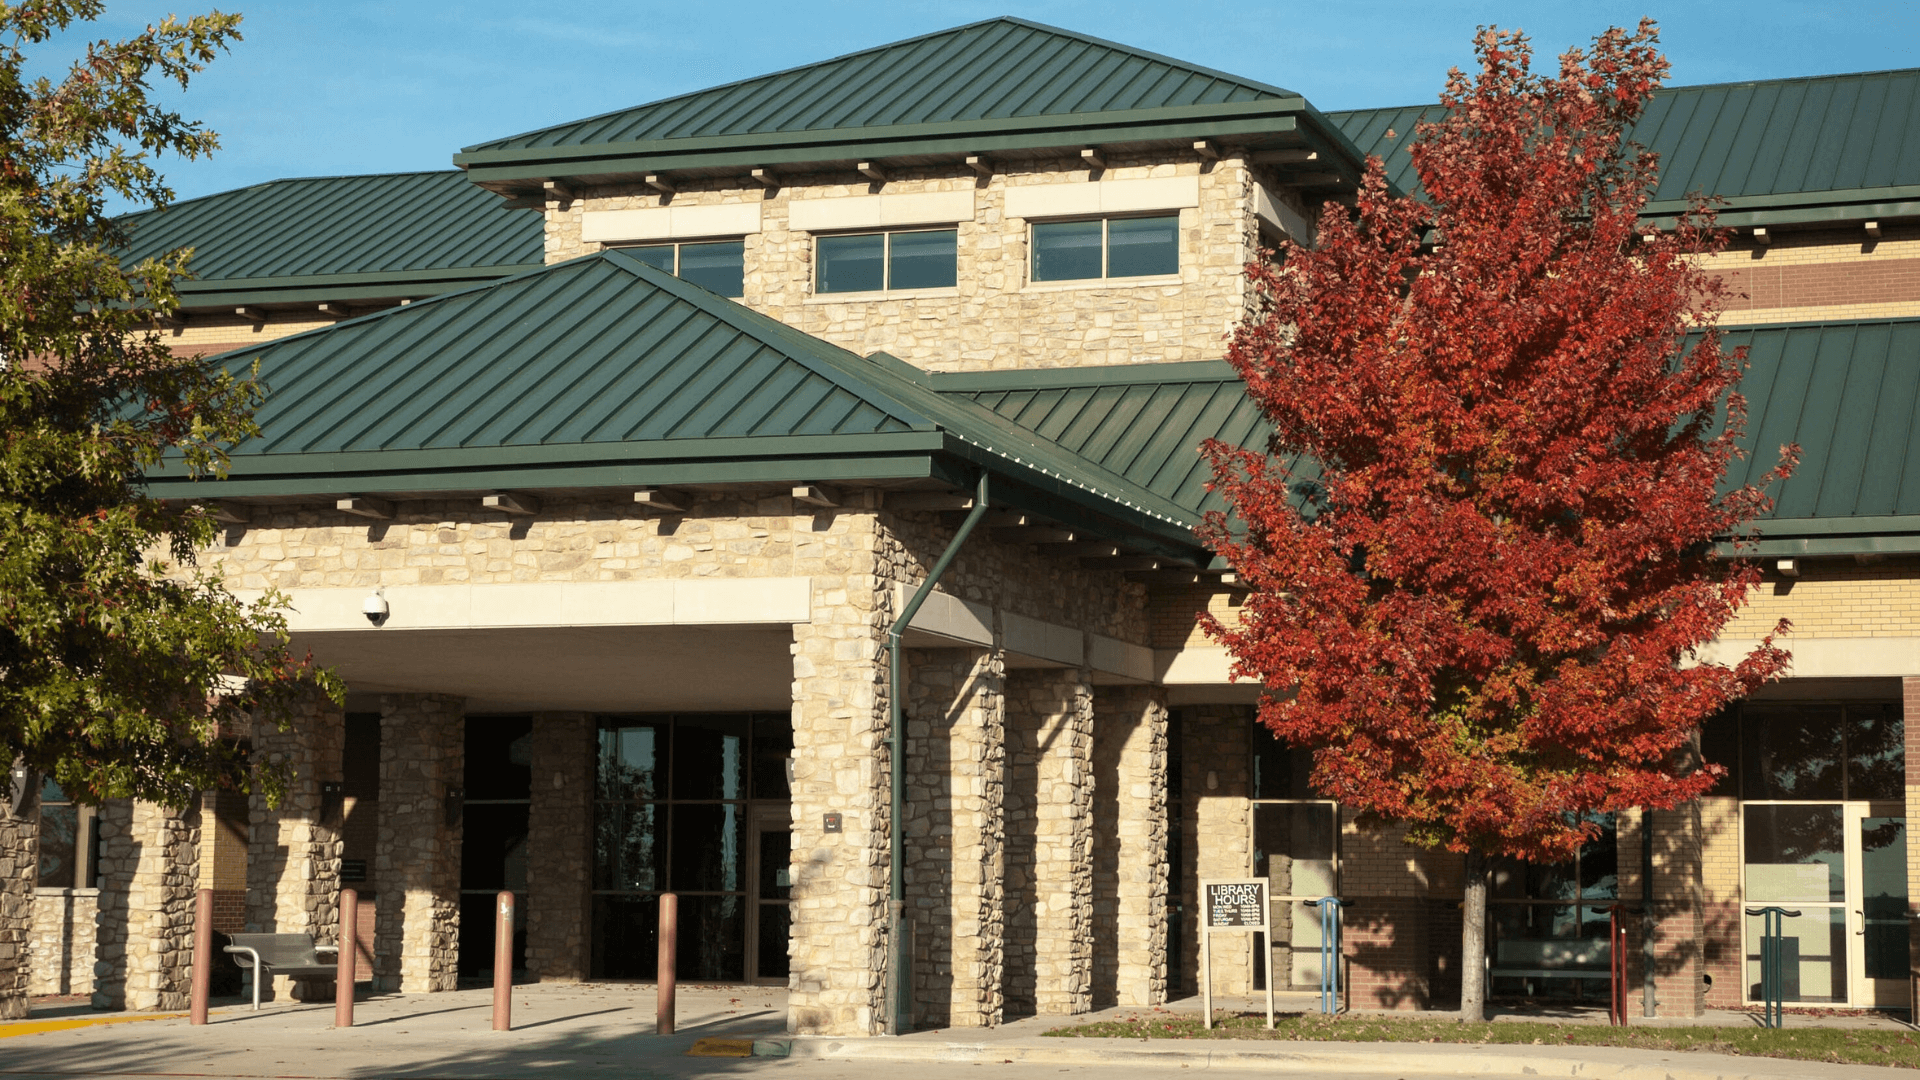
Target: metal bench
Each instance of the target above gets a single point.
(293, 955)
(1578, 958)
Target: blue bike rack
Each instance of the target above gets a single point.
(1329, 952)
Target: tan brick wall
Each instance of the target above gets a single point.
(204, 335)
(992, 319)
(1822, 274)
(1836, 598)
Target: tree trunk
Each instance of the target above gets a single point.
(1473, 941)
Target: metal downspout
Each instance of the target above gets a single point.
(899, 976)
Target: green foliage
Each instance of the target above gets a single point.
(122, 666)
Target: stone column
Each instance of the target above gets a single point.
(838, 945)
(149, 868)
(293, 849)
(1049, 841)
(1129, 846)
(417, 861)
(956, 754)
(19, 873)
(560, 847)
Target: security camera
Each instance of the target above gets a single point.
(375, 607)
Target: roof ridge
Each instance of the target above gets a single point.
(132, 214)
(733, 83)
(1186, 65)
(1671, 89)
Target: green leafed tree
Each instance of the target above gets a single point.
(125, 670)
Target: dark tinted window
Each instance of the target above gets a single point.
(658, 256)
(851, 263)
(1066, 250)
(718, 268)
(923, 260)
(1143, 247)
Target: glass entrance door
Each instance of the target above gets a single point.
(1842, 868)
(769, 928)
(1877, 903)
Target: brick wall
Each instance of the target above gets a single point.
(1837, 598)
(1822, 274)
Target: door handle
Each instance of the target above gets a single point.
(1862, 916)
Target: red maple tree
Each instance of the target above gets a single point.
(1480, 548)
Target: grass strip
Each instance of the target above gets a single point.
(1841, 1046)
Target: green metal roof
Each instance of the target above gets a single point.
(1849, 394)
(1835, 147)
(603, 371)
(1145, 422)
(340, 237)
(1000, 85)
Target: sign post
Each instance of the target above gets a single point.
(1237, 906)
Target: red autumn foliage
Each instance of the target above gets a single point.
(1480, 551)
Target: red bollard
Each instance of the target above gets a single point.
(503, 963)
(202, 955)
(669, 953)
(348, 962)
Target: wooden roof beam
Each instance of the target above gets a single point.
(980, 165)
(765, 178)
(659, 183)
(251, 314)
(871, 171)
(816, 495)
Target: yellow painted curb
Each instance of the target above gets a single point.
(41, 1027)
(722, 1048)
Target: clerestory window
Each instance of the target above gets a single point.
(887, 261)
(1097, 248)
(718, 266)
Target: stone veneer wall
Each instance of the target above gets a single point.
(61, 949)
(148, 871)
(19, 872)
(840, 923)
(1049, 841)
(1129, 846)
(560, 846)
(993, 318)
(956, 835)
(417, 928)
(293, 857)
(1216, 834)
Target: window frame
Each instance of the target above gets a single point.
(85, 844)
(677, 243)
(886, 262)
(1106, 277)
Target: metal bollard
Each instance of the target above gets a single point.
(1616, 960)
(669, 953)
(503, 962)
(347, 963)
(1772, 963)
(202, 955)
(1329, 952)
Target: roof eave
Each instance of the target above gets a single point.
(1272, 118)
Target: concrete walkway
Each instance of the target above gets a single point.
(594, 1031)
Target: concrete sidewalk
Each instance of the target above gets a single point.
(595, 1031)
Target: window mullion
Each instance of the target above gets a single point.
(886, 262)
(1104, 247)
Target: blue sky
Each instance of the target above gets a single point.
(347, 86)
